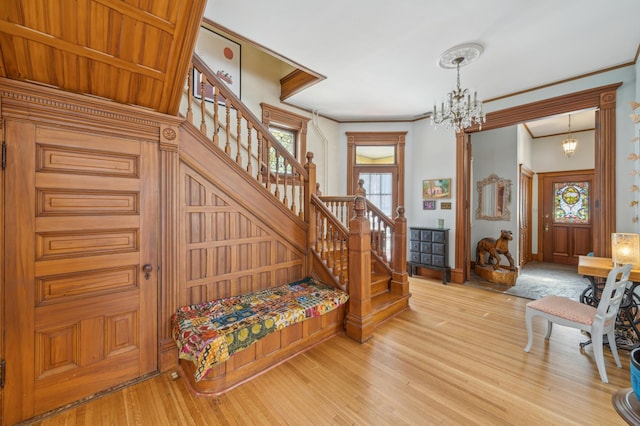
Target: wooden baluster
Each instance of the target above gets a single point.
(285, 176)
(334, 253)
(239, 137)
(385, 240)
(227, 128)
(249, 131)
(203, 86)
(190, 87)
(293, 192)
(216, 118)
(389, 245)
(380, 231)
(259, 177)
(277, 176)
(323, 233)
(343, 261)
(319, 233)
(301, 196)
(267, 150)
(374, 233)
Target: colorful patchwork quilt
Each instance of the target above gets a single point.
(209, 333)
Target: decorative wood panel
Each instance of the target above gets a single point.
(121, 332)
(54, 289)
(85, 243)
(132, 52)
(228, 250)
(78, 161)
(57, 350)
(69, 202)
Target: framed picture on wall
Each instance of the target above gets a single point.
(429, 205)
(222, 56)
(433, 189)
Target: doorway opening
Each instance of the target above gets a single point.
(603, 100)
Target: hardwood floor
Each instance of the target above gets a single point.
(456, 357)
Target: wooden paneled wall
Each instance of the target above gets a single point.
(227, 249)
(215, 231)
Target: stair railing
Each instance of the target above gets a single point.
(229, 125)
(382, 227)
(330, 242)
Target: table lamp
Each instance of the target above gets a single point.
(625, 248)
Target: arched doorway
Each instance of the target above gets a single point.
(604, 100)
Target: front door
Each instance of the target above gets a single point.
(80, 265)
(566, 222)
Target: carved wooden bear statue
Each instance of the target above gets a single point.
(495, 248)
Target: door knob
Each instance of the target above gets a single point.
(546, 226)
(147, 271)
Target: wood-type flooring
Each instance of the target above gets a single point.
(454, 358)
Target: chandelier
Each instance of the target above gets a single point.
(459, 112)
(569, 144)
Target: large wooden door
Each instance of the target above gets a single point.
(80, 226)
(566, 216)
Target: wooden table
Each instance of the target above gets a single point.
(599, 267)
(628, 322)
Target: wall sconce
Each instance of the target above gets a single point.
(625, 248)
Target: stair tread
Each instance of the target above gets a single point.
(387, 305)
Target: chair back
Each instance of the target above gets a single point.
(612, 294)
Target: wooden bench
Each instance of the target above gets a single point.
(225, 342)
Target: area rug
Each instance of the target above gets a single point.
(539, 279)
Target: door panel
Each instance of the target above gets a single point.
(563, 237)
(81, 224)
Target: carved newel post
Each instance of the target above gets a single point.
(359, 322)
(400, 278)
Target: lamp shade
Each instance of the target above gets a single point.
(625, 248)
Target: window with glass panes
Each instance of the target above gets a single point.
(379, 190)
(287, 139)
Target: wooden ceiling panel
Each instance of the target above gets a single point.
(133, 51)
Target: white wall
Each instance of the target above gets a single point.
(495, 152)
(261, 74)
(547, 154)
(430, 153)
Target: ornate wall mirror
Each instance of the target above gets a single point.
(494, 195)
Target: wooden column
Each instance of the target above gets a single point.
(605, 187)
(399, 277)
(359, 321)
(169, 277)
(310, 187)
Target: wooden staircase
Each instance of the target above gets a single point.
(385, 303)
(343, 233)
